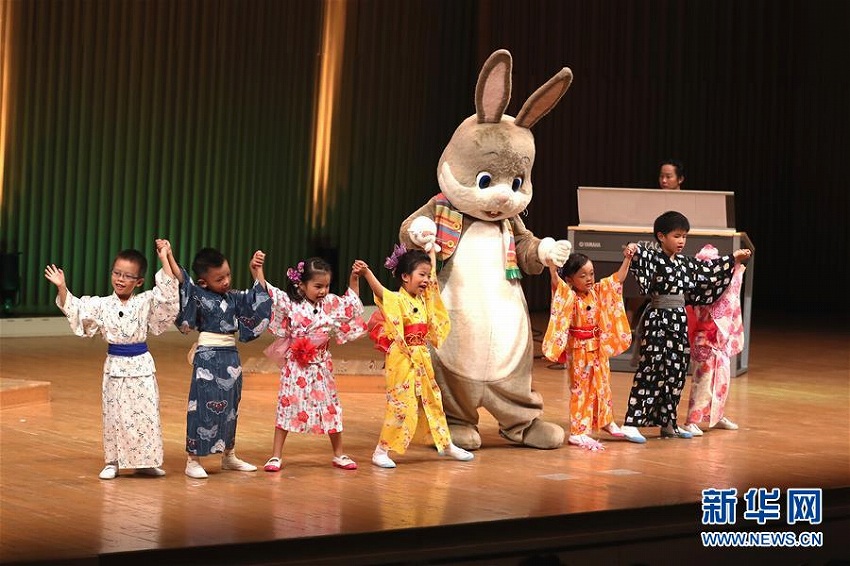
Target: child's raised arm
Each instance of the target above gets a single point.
(357, 269)
(163, 251)
(56, 276)
(172, 263)
(374, 284)
(628, 253)
(256, 266)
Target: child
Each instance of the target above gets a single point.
(303, 318)
(588, 325)
(132, 434)
(716, 332)
(218, 312)
(670, 279)
(413, 317)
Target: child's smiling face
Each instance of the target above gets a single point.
(125, 278)
(417, 281)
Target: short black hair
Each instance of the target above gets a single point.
(669, 221)
(206, 259)
(677, 165)
(408, 261)
(134, 256)
(575, 262)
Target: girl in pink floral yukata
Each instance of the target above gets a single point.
(303, 318)
(716, 334)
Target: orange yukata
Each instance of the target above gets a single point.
(414, 402)
(584, 332)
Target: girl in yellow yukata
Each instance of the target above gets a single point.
(588, 325)
(413, 318)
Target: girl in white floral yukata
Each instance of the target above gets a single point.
(132, 433)
(303, 318)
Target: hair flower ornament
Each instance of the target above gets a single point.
(294, 273)
(392, 262)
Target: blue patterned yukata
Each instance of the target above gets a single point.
(216, 387)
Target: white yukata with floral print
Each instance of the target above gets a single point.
(308, 399)
(132, 433)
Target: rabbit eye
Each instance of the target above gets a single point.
(483, 180)
(516, 184)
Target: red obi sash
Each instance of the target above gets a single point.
(414, 334)
(306, 351)
(584, 332)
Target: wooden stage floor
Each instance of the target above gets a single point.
(511, 505)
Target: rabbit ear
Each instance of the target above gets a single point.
(544, 99)
(493, 91)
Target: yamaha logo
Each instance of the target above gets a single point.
(590, 244)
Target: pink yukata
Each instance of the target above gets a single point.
(716, 333)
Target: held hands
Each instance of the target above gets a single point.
(257, 261)
(630, 250)
(359, 268)
(423, 233)
(742, 255)
(163, 249)
(551, 252)
(55, 275)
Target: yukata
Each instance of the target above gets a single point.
(584, 332)
(216, 386)
(132, 432)
(414, 402)
(717, 333)
(308, 399)
(671, 283)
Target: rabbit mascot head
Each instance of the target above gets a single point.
(484, 176)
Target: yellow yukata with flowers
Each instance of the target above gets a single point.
(414, 402)
(584, 331)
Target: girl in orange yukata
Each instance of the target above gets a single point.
(716, 333)
(409, 320)
(588, 325)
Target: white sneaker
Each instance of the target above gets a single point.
(458, 453)
(632, 434)
(109, 472)
(155, 472)
(194, 469)
(693, 429)
(381, 459)
(230, 462)
(726, 424)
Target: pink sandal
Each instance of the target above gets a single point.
(584, 441)
(344, 462)
(273, 464)
(614, 430)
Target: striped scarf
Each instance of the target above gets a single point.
(449, 225)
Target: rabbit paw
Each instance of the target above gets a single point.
(423, 233)
(554, 253)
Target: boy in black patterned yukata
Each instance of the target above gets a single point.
(671, 280)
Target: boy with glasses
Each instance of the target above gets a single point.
(132, 433)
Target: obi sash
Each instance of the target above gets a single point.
(216, 340)
(676, 301)
(414, 334)
(584, 332)
(307, 350)
(128, 350)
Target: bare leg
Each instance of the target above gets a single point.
(336, 443)
(279, 439)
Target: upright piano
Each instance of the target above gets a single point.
(610, 218)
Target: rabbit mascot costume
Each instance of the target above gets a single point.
(484, 176)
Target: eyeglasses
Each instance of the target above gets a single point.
(121, 275)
